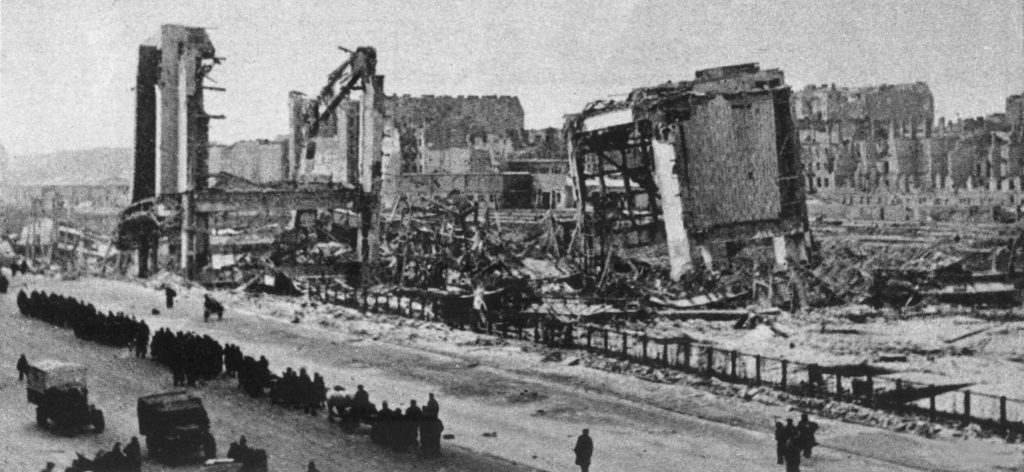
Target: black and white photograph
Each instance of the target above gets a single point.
(511, 236)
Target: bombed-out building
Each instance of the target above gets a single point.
(169, 219)
(694, 164)
(865, 137)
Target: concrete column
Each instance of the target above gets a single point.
(186, 251)
(371, 131)
(779, 246)
(296, 135)
(672, 208)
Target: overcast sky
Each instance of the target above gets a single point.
(67, 67)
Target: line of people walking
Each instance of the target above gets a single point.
(88, 323)
(191, 357)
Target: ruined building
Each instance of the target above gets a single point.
(886, 139)
(866, 137)
(694, 164)
(169, 220)
(436, 145)
(260, 161)
(875, 153)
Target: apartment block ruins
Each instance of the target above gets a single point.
(879, 153)
(886, 139)
(694, 164)
(866, 137)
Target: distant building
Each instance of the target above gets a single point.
(476, 144)
(865, 137)
(57, 198)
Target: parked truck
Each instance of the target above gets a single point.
(59, 391)
(176, 426)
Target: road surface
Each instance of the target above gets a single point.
(480, 390)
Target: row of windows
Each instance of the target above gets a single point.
(819, 182)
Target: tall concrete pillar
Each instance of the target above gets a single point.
(296, 136)
(370, 137)
(779, 249)
(671, 207)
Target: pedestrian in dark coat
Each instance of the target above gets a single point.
(414, 419)
(133, 454)
(141, 340)
(115, 459)
(169, 295)
(432, 409)
(430, 437)
(584, 450)
(806, 429)
(793, 449)
(22, 367)
(211, 306)
(780, 442)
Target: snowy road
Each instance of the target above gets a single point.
(479, 391)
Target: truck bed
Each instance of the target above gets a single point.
(49, 373)
(177, 410)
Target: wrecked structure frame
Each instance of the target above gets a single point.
(662, 165)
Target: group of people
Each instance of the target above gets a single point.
(88, 323)
(298, 390)
(416, 429)
(793, 441)
(193, 357)
(114, 460)
(190, 356)
(254, 377)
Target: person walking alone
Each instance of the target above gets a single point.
(22, 367)
(169, 294)
(584, 450)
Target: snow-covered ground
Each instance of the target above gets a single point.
(484, 385)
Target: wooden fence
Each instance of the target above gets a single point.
(999, 413)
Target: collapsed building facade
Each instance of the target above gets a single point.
(696, 164)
